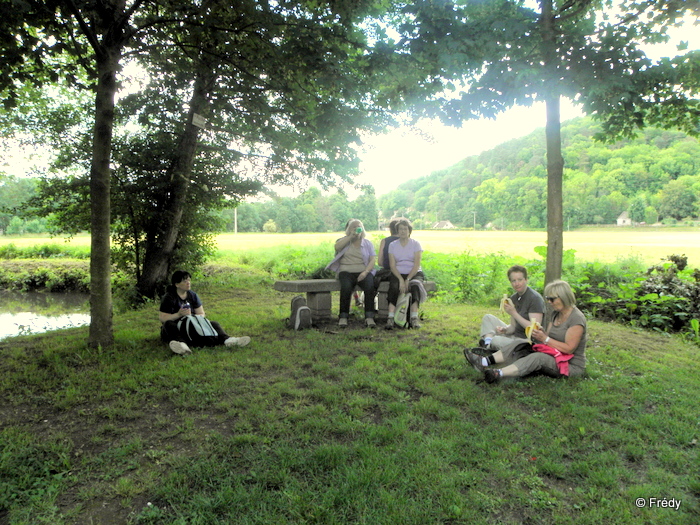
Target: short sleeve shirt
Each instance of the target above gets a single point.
(171, 302)
(528, 303)
(405, 255)
(559, 333)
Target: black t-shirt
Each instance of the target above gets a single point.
(172, 303)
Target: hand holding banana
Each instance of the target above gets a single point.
(534, 326)
(506, 302)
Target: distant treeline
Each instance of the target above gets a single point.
(655, 177)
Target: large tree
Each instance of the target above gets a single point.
(44, 41)
(586, 50)
(285, 88)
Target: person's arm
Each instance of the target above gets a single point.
(392, 263)
(199, 311)
(381, 253)
(344, 241)
(164, 317)
(568, 346)
(416, 265)
(368, 269)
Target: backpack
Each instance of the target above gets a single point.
(301, 314)
(403, 310)
(197, 330)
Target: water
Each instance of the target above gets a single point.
(33, 312)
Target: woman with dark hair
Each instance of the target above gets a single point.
(180, 301)
(354, 265)
(561, 351)
(406, 273)
(384, 245)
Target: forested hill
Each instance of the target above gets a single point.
(655, 176)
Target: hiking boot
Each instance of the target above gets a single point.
(180, 348)
(414, 323)
(389, 324)
(343, 322)
(370, 323)
(474, 360)
(492, 376)
(237, 341)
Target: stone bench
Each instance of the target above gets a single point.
(318, 295)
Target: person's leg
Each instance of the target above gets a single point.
(489, 323)
(534, 363)
(220, 331)
(392, 296)
(367, 285)
(347, 285)
(512, 351)
(170, 334)
(415, 304)
(225, 339)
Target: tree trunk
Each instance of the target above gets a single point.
(555, 173)
(100, 261)
(555, 161)
(161, 241)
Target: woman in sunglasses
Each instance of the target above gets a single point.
(558, 351)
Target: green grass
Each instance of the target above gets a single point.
(339, 427)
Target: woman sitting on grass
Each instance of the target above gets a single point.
(180, 301)
(562, 351)
(354, 264)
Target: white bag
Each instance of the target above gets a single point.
(403, 310)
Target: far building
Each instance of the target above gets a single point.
(443, 225)
(624, 219)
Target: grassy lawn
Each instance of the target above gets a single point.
(340, 427)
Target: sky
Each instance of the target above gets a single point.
(389, 160)
(404, 154)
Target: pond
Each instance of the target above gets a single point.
(34, 312)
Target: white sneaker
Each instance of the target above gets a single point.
(343, 322)
(179, 347)
(237, 341)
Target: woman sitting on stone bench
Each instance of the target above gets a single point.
(354, 264)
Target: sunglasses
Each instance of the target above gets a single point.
(551, 299)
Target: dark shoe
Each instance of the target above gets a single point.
(482, 343)
(473, 360)
(491, 375)
(415, 323)
(389, 324)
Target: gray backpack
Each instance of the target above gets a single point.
(198, 331)
(301, 314)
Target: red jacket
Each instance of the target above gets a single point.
(561, 359)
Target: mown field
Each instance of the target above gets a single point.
(594, 244)
(604, 245)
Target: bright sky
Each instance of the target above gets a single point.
(404, 154)
(389, 160)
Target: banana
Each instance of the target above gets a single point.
(528, 330)
(506, 300)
